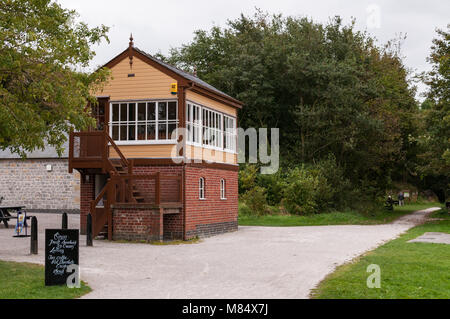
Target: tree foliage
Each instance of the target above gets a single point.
(43, 93)
(328, 87)
(435, 141)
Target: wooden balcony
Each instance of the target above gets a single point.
(89, 151)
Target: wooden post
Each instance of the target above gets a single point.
(122, 190)
(64, 221)
(34, 236)
(111, 191)
(71, 146)
(89, 230)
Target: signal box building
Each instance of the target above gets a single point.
(140, 177)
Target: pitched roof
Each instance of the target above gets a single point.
(184, 74)
(174, 71)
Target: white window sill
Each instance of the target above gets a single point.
(154, 142)
(211, 147)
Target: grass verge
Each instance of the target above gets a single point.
(26, 281)
(333, 218)
(408, 270)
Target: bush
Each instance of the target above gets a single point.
(273, 184)
(255, 199)
(247, 177)
(300, 192)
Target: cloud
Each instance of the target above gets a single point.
(160, 25)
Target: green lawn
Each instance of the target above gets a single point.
(334, 218)
(26, 281)
(408, 270)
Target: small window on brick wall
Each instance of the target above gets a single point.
(222, 189)
(201, 188)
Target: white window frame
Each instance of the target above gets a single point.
(229, 133)
(194, 125)
(216, 130)
(223, 193)
(136, 122)
(201, 188)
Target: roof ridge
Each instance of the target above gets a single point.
(186, 75)
(163, 62)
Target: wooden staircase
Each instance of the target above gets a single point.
(91, 150)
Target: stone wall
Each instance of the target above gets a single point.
(27, 182)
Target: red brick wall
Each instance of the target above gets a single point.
(169, 188)
(137, 224)
(207, 217)
(173, 226)
(170, 192)
(212, 215)
(87, 190)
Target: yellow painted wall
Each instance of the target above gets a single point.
(197, 152)
(148, 82)
(144, 151)
(205, 101)
(167, 151)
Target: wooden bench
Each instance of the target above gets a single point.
(5, 215)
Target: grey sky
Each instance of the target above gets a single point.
(160, 25)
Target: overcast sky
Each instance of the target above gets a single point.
(160, 25)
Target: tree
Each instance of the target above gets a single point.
(43, 93)
(328, 88)
(435, 140)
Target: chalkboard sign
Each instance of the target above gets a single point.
(61, 250)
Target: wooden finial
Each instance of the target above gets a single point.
(130, 46)
(131, 40)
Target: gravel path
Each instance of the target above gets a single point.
(255, 262)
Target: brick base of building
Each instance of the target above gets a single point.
(206, 217)
(138, 222)
(208, 230)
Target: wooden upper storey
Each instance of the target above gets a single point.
(139, 109)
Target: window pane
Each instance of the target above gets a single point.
(188, 132)
(132, 112)
(123, 112)
(151, 135)
(151, 111)
(172, 110)
(141, 132)
(131, 132)
(197, 114)
(115, 112)
(115, 131)
(162, 111)
(141, 112)
(123, 132)
(188, 114)
(162, 131)
(197, 134)
(172, 128)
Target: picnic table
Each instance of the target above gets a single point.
(5, 215)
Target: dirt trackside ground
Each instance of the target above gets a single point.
(254, 262)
